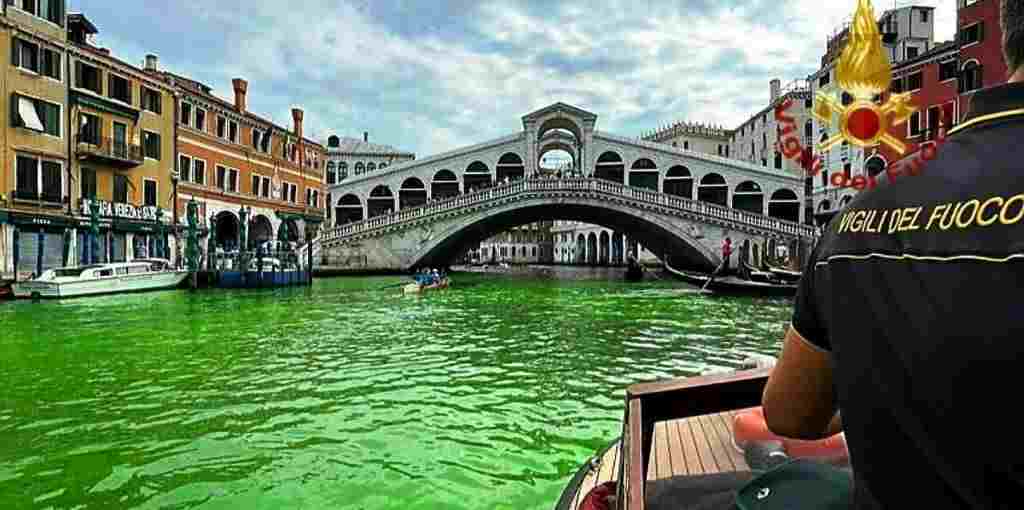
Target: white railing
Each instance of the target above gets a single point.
(640, 196)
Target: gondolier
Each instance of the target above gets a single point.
(726, 253)
(906, 315)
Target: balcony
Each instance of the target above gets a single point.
(108, 151)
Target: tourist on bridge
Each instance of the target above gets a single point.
(907, 330)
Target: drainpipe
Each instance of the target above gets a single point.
(67, 108)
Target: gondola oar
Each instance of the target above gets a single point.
(712, 277)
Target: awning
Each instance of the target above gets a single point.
(28, 114)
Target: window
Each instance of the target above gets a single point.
(924, 15)
(50, 10)
(222, 127)
(120, 89)
(121, 189)
(293, 194)
(778, 160)
(947, 70)
(897, 85)
(970, 77)
(255, 188)
(972, 34)
(199, 171)
(825, 78)
(200, 119)
(186, 114)
(914, 82)
(152, 100)
(233, 180)
(911, 51)
(88, 182)
(312, 197)
(89, 129)
(39, 179)
(686, 144)
(35, 114)
(233, 131)
(914, 124)
(151, 145)
(222, 178)
(764, 162)
(265, 192)
(847, 168)
(88, 77)
(256, 138)
(934, 118)
(185, 168)
(149, 193)
(30, 56)
(370, 167)
(808, 103)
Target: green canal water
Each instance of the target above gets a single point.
(343, 395)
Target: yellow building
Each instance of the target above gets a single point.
(35, 207)
(122, 146)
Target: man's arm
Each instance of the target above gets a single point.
(799, 401)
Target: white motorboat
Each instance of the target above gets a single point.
(136, 276)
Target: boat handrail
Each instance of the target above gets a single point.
(649, 403)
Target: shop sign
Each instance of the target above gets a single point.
(125, 211)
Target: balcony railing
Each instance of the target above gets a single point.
(109, 150)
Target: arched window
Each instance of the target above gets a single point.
(331, 174)
(371, 167)
(784, 205)
(679, 182)
(713, 189)
(342, 171)
(359, 168)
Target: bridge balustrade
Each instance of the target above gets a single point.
(574, 184)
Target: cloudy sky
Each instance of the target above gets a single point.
(431, 75)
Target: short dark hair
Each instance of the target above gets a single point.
(1012, 14)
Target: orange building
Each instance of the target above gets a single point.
(229, 158)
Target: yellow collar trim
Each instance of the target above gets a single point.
(985, 118)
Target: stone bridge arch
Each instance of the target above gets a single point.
(658, 233)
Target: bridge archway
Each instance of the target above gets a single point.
(412, 193)
(381, 201)
(658, 234)
(566, 124)
(510, 166)
(610, 167)
(260, 230)
(679, 182)
(444, 185)
(784, 205)
(348, 209)
(713, 189)
(644, 174)
(476, 177)
(226, 233)
(748, 197)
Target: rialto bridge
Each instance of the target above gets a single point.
(677, 202)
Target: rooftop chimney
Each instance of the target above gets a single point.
(297, 119)
(151, 62)
(366, 136)
(241, 87)
(776, 89)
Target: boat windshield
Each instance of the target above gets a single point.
(72, 271)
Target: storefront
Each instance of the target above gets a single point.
(38, 242)
(126, 232)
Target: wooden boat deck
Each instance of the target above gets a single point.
(688, 446)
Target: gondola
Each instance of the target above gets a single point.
(731, 285)
(757, 275)
(634, 271)
(785, 274)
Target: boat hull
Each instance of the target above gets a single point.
(415, 288)
(729, 285)
(143, 282)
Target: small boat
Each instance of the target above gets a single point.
(113, 278)
(415, 288)
(730, 285)
(634, 271)
(786, 274)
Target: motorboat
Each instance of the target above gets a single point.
(112, 278)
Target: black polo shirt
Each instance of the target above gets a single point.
(917, 290)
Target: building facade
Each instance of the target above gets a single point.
(578, 243)
(229, 158)
(122, 153)
(350, 157)
(693, 137)
(527, 244)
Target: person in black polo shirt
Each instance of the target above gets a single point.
(909, 318)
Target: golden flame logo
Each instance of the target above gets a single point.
(863, 70)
